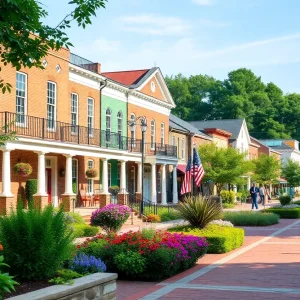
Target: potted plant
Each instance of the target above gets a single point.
(91, 173)
(23, 169)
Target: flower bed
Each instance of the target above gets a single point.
(286, 212)
(146, 255)
(249, 218)
(221, 239)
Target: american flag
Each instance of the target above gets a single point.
(198, 171)
(186, 185)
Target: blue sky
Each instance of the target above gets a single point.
(193, 37)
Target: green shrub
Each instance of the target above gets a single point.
(168, 214)
(199, 211)
(6, 281)
(148, 233)
(285, 199)
(228, 205)
(95, 248)
(130, 263)
(30, 189)
(249, 218)
(285, 213)
(36, 242)
(78, 219)
(221, 239)
(84, 230)
(65, 276)
(228, 196)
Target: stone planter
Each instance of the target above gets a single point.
(98, 286)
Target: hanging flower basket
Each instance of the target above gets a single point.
(91, 173)
(23, 169)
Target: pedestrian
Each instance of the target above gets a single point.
(262, 194)
(254, 192)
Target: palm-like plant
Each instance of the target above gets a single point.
(200, 211)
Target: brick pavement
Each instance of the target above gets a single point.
(266, 267)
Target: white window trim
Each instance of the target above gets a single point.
(162, 133)
(91, 134)
(77, 117)
(54, 119)
(25, 100)
(152, 145)
(120, 117)
(90, 180)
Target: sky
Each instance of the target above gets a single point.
(192, 37)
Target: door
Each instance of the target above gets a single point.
(49, 185)
(147, 184)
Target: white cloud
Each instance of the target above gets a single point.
(204, 2)
(155, 25)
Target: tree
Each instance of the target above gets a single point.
(267, 169)
(25, 40)
(222, 165)
(291, 172)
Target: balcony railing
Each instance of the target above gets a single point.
(160, 149)
(45, 129)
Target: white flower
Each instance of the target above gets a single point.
(287, 206)
(222, 223)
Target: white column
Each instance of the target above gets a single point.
(163, 185)
(153, 183)
(248, 183)
(41, 176)
(175, 192)
(6, 178)
(104, 176)
(139, 178)
(123, 177)
(68, 175)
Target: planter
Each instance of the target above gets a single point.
(92, 287)
(22, 169)
(91, 173)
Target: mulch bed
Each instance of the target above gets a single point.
(27, 287)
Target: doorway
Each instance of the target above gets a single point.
(147, 184)
(51, 179)
(49, 184)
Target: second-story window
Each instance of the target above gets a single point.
(162, 133)
(108, 124)
(132, 133)
(51, 105)
(74, 112)
(152, 134)
(91, 116)
(182, 148)
(120, 123)
(21, 97)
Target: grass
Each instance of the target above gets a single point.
(221, 239)
(285, 213)
(249, 218)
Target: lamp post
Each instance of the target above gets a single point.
(132, 124)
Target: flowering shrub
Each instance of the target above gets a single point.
(23, 169)
(111, 217)
(222, 223)
(134, 255)
(91, 173)
(85, 264)
(152, 218)
(287, 206)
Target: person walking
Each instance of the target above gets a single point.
(262, 194)
(254, 191)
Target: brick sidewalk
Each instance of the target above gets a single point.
(266, 267)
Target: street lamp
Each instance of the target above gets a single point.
(132, 124)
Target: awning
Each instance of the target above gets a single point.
(181, 168)
(281, 180)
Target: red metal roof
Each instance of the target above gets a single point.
(126, 77)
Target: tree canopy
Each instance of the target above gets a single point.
(268, 112)
(223, 165)
(291, 172)
(25, 39)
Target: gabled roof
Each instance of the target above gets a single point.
(181, 125)
(231, 125)
(128, 78)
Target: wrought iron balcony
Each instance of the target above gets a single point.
(45, 129)
(160, 149)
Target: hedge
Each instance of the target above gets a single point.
(221, 239)
(249, 218)
(285, 213)
(30, 189)
(84, 230)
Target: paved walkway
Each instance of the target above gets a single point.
(266, 267)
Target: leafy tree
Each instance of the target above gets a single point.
(24, 38)
(291, 172)
(222, 165)
(267, 169)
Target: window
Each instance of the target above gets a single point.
(152, 134)
(178, 144)
(74, 113)
(75, 175)
(162, 133)
(182, 148)
(21, 97)
(91, 116)
(132, 118)
(132, 179)
(120, 127)
(51, 105)
(108, 124)
(90, 181)
(109, 174)
(119, 174)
